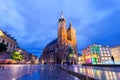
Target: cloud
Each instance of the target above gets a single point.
(11, 20)
(34, 23)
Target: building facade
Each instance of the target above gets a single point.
(97, 54)
(25, 54)
(81, 59)
(105, 55)
(8, 40)
(28, 57)
(57, 51)
(115, 51)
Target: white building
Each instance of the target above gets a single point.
(115, 51)
(105, 55)
(8, 40)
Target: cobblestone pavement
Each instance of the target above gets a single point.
(33, 72)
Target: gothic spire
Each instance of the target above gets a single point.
(61, 15)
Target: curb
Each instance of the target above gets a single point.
(80, 76)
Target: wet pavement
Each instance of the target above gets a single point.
(51, 72)
(99, 73)
(33, 72)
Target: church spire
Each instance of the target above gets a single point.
(70, 24)
(61, 17)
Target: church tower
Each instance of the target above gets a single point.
(71, 33)
(62, 31)
(62, 38)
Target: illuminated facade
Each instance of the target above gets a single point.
(58, 50)
(25, 54)
(97, 54)
(8, 40)
(105, 55)
(81, 59)
(115, 51)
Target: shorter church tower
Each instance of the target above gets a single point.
(71, 35)
(72, 45)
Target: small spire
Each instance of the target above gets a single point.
(70, 24)
(61, 15)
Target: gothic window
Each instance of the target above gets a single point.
(7, 43)
(3, 41)
(11, 45)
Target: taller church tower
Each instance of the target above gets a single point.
(62, 39)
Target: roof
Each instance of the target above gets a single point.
(52, 42)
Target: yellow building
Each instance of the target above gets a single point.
(8, 40)
(115, 51)
(81, 59)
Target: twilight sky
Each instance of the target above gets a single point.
(34, 23)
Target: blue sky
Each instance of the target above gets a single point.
(34, 23)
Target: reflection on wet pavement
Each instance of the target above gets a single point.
(48, 73)
(34, 72)
(101, 73)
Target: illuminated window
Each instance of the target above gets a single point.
(105, 55)
(104, 51)
(102, 58)
(101, 54)
(106, 58)
(103, 48)
(107, 51)
(108, 54)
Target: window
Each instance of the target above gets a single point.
(103, 48)
(106, 58)
(3, 41)
(102, 58)
(101, 54)
(11, 45)
(105, 55)
(108, 54)
(7, 43)
(104, 51)
(106, 48)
